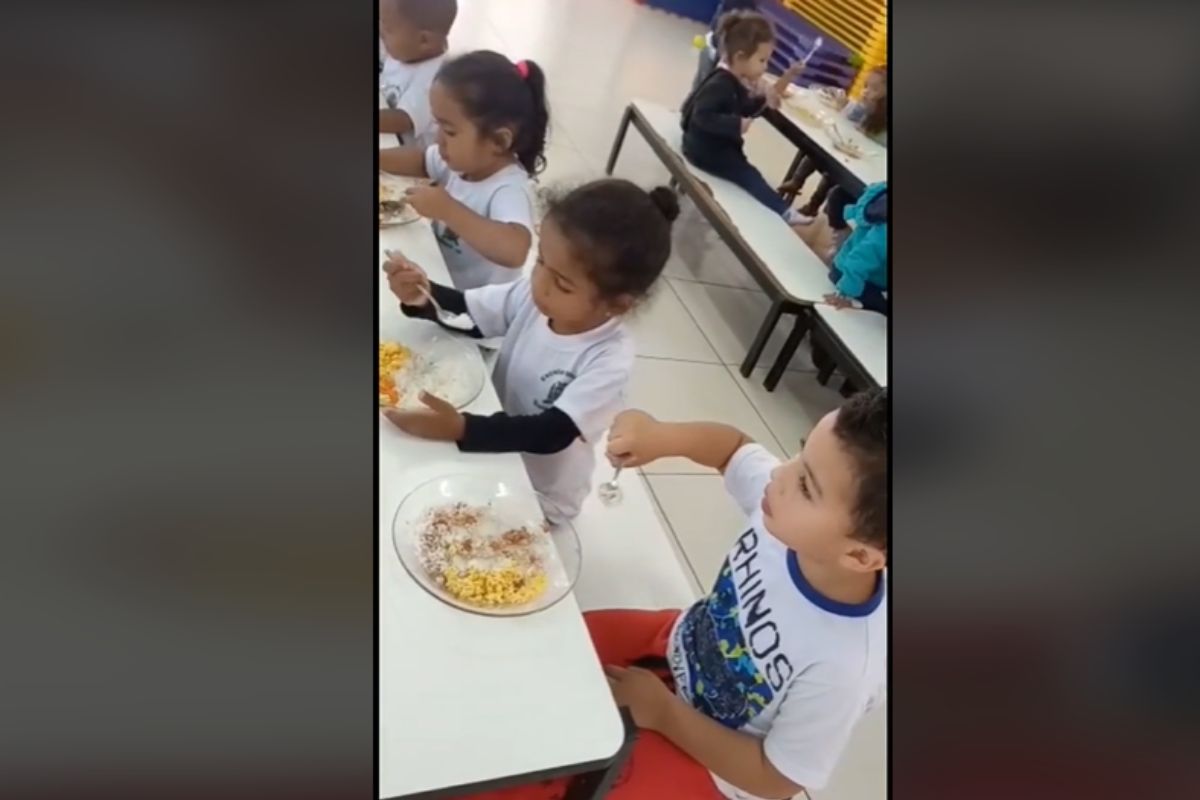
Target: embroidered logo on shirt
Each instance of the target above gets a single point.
(447, 238)
(559, 380)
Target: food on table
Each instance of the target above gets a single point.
(392, 203)
(478, 559)
(393, 357)
(848, 147)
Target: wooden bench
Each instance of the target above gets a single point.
(856, 341)
(791, 274)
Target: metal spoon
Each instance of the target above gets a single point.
(461, 322)
(610, 491)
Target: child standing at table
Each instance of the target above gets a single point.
(567, 354)
(715, 113)
(753, 692)
(492, 119)
(413, 36)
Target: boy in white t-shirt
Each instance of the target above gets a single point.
(754, 690)
(414, 35)
(773, 669)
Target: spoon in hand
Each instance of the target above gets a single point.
(610, 491)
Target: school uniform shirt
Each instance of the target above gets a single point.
(409, 84)
(767, 655)
(504, 197)
(584, 375)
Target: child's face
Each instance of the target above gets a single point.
(751, 67)
(463, 147)
(561, 287)
(809, 504)
(403, 40)
(875, 89)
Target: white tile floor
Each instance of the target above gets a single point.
(599, 54)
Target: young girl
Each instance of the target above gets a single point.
(492, 120)
(708, 52)
(870, 115)
(567, 356)
(714, 113)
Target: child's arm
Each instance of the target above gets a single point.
(712, 112)
(498, 240)
(636, 438)
(548, 432)
(735, 757)
(408, 161)
(394, 121)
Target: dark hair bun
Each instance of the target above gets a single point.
(666, 201)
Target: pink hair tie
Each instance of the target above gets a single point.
(523, 69)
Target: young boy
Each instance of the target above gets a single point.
(753, 691)
(414, 34)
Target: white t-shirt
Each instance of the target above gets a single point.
(583, 375)
(409, 84)
(767, 655)
(504, 197)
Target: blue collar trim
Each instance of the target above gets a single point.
(833, 606)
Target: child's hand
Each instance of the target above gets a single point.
(430, 201)
(642, 692)
(406, 280)
(795, 68)
(632, 440)
(438, 421)
(841, 301)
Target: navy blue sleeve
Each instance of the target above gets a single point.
(552, 431)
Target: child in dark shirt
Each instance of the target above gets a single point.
(708, 50)
(714, 113)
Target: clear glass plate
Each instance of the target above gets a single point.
(443, 364)
(507, 508)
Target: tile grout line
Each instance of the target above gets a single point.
(798, 370)
(679, 548)
(699, 327)
(714, 283)
(733, 378)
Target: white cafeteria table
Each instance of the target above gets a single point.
(815, 141)
(468, 702)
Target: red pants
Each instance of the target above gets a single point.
(656, 769)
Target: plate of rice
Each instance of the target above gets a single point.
(424, 358)
(482, 545)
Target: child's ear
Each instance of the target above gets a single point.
(621, 305)
(504, 138)
(863, 557)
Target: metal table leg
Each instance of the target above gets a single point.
(618, 142)
(789, 350)
(764, 333)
